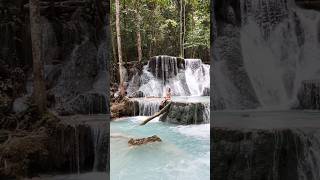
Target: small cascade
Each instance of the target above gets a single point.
(206, 113)
(309, 162)
(74, 146)
(82, 144)
(148, 107)
(97, 138)
(185, 77)
(197, 77)
(77, 148)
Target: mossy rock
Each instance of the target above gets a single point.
(24, 156)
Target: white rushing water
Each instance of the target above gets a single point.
(197, 76)
(149, 106)
(192, 80)
(97, 135)
(279, 47)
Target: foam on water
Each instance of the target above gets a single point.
(201, 131)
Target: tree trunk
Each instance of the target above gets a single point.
(138, 32)
(114, 46)
(163, 110)
(184, 28)
(121, 68)
(181, 29)
(39, 92)
(139, 36)
(192, 29)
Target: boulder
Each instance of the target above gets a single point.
(124, 107)
(186, 113)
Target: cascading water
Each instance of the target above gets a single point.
(148, 107)
(197, 77)
(278, 47)
(190, 78)
(284, 43)
(185, 78)
(96, 138)
(265, 52)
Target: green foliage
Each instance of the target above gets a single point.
(200, 35)
(160, 27)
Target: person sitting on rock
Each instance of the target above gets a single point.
(168, 95)
(166, 99)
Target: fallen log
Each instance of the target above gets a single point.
(138, 142)
(163, 110)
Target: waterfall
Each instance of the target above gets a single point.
(308, 166)
(279, 49)
(206, 114)
(185, 77)
(197, 76)
(278, 45)
(77, 148)
(166, 67)
(148, 107)
(97, 140)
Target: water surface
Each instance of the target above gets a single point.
(184, 153)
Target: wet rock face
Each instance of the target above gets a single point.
(309, 4)
(124, 107)
(227, 11)
(206, 92)
(186, 113)
(281, 154)
(74, 47)
(165, 67)
(309, 95)
(85, 103)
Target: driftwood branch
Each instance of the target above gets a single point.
(163, 110)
